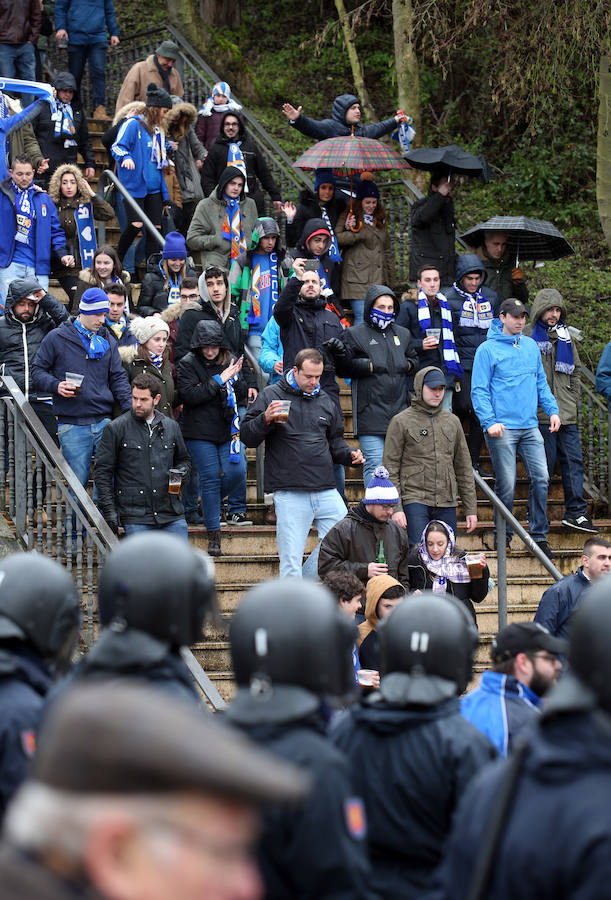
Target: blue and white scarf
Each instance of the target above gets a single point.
(232, 229)
(173, 286)
(85, 228)
(156, 359)
(63, 121)
(24, 214)
(333, 251)
(236, 158)
(448, 568)
(324, 281)
(450, 356)
(158, 151)
(221, 87)
(565, 361)
(381, 319)
(263, 287)
(4, 110)
(95, 345)
(117, 328)
(232, 403)
(476, 311)
(290, 377)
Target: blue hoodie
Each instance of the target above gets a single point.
(500, 707)
(508, 381)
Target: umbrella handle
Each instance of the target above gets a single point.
(356, 228)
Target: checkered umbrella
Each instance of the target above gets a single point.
(527, 238)
(350, 155)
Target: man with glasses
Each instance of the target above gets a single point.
(510, 695)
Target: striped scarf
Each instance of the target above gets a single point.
(236, 158)
(158, 153)
(450, 356)
(565, 361)
(117, 328)
(232, 403)
(232, 226)
(448, 568)
(476, 311)
(156, 359)
(264, 286)
(334, 254)
(64, 123)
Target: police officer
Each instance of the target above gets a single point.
(554, 837)
(290, 645)
(412, 753)
(39, 625)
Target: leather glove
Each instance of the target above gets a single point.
(113, 522)
(336, 347)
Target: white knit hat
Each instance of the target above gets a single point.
(145, 328)
(381, 489)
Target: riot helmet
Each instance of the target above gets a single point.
(39, 605)
(158, 584)
(426, 650)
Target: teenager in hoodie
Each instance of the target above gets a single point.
(382, 595)
(323, 203)
(316, 243)
(345, 117)
(210, 115)
(221, 227)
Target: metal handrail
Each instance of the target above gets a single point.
(260, 448)
(108, 176)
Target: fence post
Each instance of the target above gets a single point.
(501, 571)
(21, 463)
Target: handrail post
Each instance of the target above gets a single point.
(106, 176)
(260, 457)
(20, 451)
(501, 572)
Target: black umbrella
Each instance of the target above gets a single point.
(527, 238)
(449, 160)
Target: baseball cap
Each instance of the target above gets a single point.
(520, 637)
(434, 378)
(513, 307)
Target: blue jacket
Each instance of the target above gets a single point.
(500, 708)
(271, 350)
(11, 124)
(336, 125)
(105, 381)
(603, 374)
(559, 601)
(86, 21)
(508, 381)
(48, 233)
(135, 143)
(468, 338)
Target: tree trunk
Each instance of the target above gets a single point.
(603, 152)
(408, 85)
(355, 63)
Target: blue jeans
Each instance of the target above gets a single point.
(18, 270)
(418, 516)
(218, 477)
(528, 443)
(372, 446)
(77, 57)
(565, 445)
(358, 310)
(19, 61)
(177, 527)
(295, 513)
(448, 397)
(79, 443)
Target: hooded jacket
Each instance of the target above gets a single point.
(240, 274)
(336, 125)
(367, 258)
(367, 638)
(412, 764)
(508, 381)
(19, 341)
(206, 229)
(466, 338)
(86, 23)
(426, 455)
(560, 601)
(153, 295)
(380, 394)
(309, 207)
(48, 234)
(256, 168)
(500, 707)
(52, 145)
(332, 269)
(87, 279)
(499, 277)
(353, 543)
(432, 236)
(564, 386)
(179, 127)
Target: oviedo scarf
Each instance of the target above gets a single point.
(564, 349)
(381, 319)
(448, 568)
(95, 345)
(236, 158)
(85, 228)
(156, 359)
(232, 403)
(232, 226)
(263, 286)
(63, 123)
(173, 286)
(290, 377)
(334, 254)
(24, 214)
(476, 311)
(158, 152)
(450, 356)
(117, 328)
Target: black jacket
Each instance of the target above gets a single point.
(153, 296)
(353, 543)
(131, 470)
(205, 415)
(411, 766)
(379, 395)
(19, 341)
(256, 167)
(408, 318)
(299, 453)
(337, 125)
(468, 592)
(332, 269)
(432, 235)
(52, 145)
(309, 207)
(468, 338)
(560, 601)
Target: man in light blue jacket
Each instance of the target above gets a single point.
(507, 385)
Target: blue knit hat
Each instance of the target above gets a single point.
(323, 176)
(94, 301)
(174, 246)
(381, 489)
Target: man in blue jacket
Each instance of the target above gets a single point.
(508, 383)
(345, 116)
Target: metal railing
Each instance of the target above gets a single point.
(260, 473)
(594, 426)
(53, 513)
(108, 177)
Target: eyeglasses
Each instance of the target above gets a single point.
(548, 657)
(194, 296)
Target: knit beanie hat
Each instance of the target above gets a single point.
(174, 246)
(381, 489)
(266, 226)
(94, 301)
(323, 176)
(156, 96)
(221, 87)
(145, 328)
(367, 187)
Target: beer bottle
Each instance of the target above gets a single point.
(381, 558)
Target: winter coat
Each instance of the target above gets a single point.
(426, 455)
(140, 76)
(560, 601)
(105, 381)
(603, 374)
(299, 453)
(380, 394)
(421, 579)
(408, 318)
(331, 268)
(206, 229)
(132, 462)
(87, 279)
(153, 295)
(86, 22)
(336, 125)
(309, 207)
(135, 365)
(411, 766)
(367, 259)
(23, 875)
(354, 542)
(563, 385)
(135, 143)
(256, 168)
(66, 210)
(271, 350)
(508, 381)
(19, 341)
(208, 125)
(179, 127)
(499, 277)
(20, 22)
(555, 843)
(240, 280)
(52, 145)
(24, 682)
(500, 707)
(307, 324)
(432, 236)
(466, 338)
(48, 234)
(17, 134)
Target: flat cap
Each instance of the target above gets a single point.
(168, 49)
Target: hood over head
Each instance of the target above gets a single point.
(208, 333)
(265, 226)
(379, 290)
(418, 382)
(467, 263)
(133, 108)
(54, 191)
(544, 300)
(222, 137)
(341, 105)
(312, 227)
(179, 119)
(20, 288)
(226, 175)
(375, 588)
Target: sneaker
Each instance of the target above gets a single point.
(214, 543)
(545, 548)
(238, 519)
(581, 523)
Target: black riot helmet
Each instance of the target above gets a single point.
(290, 645)
(158, 584)
(426, 649)
(39, 605)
